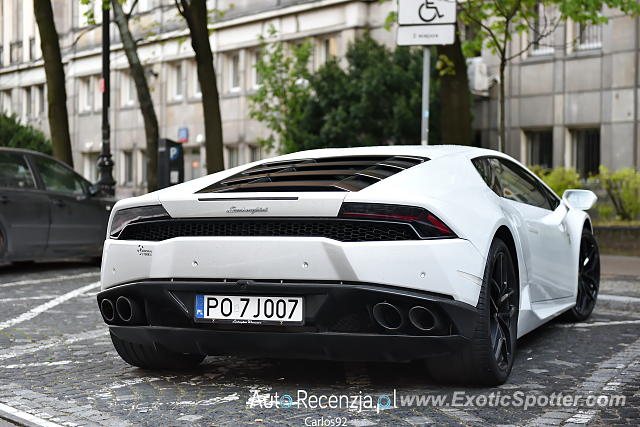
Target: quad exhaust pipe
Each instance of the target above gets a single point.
(391, 318)
(388, 316)
(128, 310)
(107, 310)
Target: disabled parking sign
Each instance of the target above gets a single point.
(426, 22)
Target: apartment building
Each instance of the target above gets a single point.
(572, 98)
(166, 52)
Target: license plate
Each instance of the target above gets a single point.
(249, 310)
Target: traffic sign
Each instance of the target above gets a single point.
(421, 35)
(421, 12)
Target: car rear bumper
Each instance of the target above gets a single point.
(451, 267)
(338, 321)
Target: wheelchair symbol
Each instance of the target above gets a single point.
(428, 11)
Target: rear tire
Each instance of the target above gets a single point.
(154, 357)
(588, 279)
(489, 358)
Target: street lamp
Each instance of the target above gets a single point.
(106, 183)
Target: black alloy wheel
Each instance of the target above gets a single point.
(503, 299)
(588, 278)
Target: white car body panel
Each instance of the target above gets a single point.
(447, 185)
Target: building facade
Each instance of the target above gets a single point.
(572, 98)
(165, 50)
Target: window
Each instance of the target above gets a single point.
(234, 71)
(232, 157)
(14, 172)
(40, 101)
(127, 90)
(127, 167)
(59, 178)
(541, 28)
(329, 49)
(256, 78)
(254, 153)
(588, 36)
(512, 182)
(143, 167)
(586, 143)
(28, 103)
(540, 148)
(197, 90)
(176, 83)
(5, 102)
(90, 166)
(85, 100)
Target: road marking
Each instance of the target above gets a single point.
(588, 325)
(18, 415)
(37, 364)
(48, 279)
(26, 298)
(28, 315)
(21, 350)
(618, 298)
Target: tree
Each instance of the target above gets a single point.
(151, 129)
(16, 135)
(197, 16)
(375, 99)
(280, 99)
(497, 21)
(54, 73)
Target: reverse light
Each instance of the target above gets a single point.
(425, 223)
(123, 217)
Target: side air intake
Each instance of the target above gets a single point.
(345, 173)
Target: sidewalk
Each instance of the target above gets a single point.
(619, 267)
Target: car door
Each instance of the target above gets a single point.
(551, 263)
(78, 223)
(24, 210)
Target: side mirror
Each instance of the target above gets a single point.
(579, 199)
(93, 190)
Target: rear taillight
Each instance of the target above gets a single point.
(425, 223)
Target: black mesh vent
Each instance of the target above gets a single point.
(347, 173)
(337, 229)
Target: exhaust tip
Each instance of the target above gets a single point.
(124, 307)
(422, 318)
(107, 310)
(387, 315)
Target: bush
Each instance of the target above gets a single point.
(559, 178)
(623, 189)
(16, 135)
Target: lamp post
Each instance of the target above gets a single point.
(106, 183)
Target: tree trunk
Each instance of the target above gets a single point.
(502, 134)
(56, 91)
(195, 13)
(151, 130)
(455, 98)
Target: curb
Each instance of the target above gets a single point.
(618, 302)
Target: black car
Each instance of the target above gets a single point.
(47, 210)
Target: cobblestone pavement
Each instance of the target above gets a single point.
(57, 366)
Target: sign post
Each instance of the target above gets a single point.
(426, 23)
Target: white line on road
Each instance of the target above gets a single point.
(617, 298)
(48, 279)
(28, 315)
(18, 415)
(588, 325)
(26, 298)
(52, 342)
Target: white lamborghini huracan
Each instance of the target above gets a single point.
(438, 253)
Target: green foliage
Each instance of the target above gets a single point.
(16, 135)
(558, 179)
(373, 99)
(623, 190)
(280, 100)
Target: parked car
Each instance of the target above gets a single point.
(442, 254)
(47, 210)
